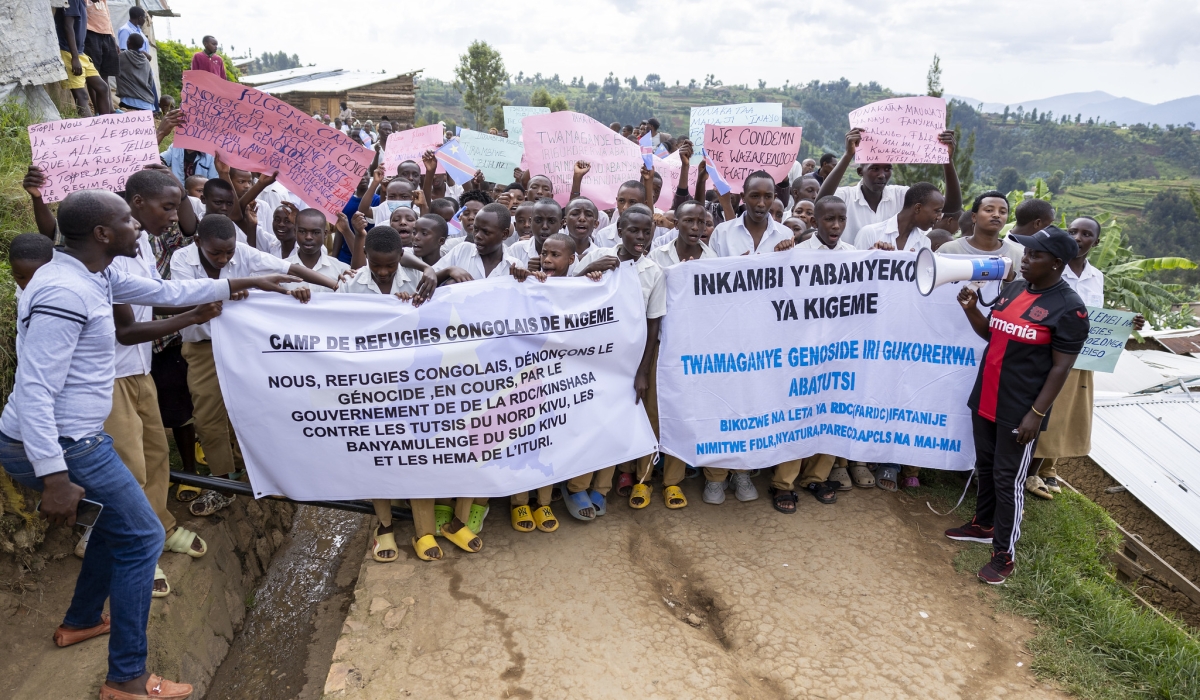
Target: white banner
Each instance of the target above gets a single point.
(771, 358)
(489, 389)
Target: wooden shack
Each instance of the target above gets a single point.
(370, 95)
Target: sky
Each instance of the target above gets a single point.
(1005, 52)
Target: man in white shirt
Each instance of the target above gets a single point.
(271, 197)
(629, 193)
(309, 250)
(216, 254)
(485, 257)
(922, 208)
(874, 200)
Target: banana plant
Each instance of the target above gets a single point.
(1125, 279)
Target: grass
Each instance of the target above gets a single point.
(1093, 637)
(1126, 198)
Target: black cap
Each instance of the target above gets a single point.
(1051, 239)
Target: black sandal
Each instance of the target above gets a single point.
(779, 498)
(824, 491)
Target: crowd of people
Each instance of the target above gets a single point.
(130, 281)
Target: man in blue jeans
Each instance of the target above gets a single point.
(51, 431)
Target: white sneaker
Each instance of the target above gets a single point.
(743, 487)
(81, 546)
(714, 492)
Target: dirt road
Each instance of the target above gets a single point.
(854, 600)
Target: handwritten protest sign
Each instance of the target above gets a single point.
(514, 114)
(670, 168)
(255, 131)
(747, 114)
(411, 144)
(1107, 334)
(554, 142)
(901, 130)
(737, 151)
(496, 156)
(94, 153)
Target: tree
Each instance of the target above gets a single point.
(1004, 117)
(612, 85)
(542, 98)
(1009, 177)
(710, 81)
(1125, 282)
(933, 79)
(762, 84)
(654, 81)
(479, 77)
(1055, 181)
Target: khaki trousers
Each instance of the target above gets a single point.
(599, 481)
(543, 497)
(424, 520)
(815, 469)
(1047, 469)
(141, 441)
(784, 476)
(213, 428)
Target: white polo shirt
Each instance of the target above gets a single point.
(382, 212)
(246, 262)
(889, 232)
(522, 251)
(814, 243)
(650, 277)
(330, 268)
(467, 257)
(608, 237)
(732, 238)
(667, 255)
(134, 360)
(362, 282)
(270, 198)
(1089, 285)
(858, 212)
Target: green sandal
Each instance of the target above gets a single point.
(442, 515)
(475, 521)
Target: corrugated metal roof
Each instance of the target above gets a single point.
(1151, 445)
(1183, 367)
(276, 76)
(332, 83)
(1181, 344)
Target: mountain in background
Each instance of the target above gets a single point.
(1108, 108)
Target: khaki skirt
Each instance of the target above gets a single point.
(1069, 433)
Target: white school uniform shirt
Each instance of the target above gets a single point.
(134, 360)
(731, 238)
(1089, 285)
(814, 243)
(858, 212)
(608, 237)
(271, 197)
(246, 262)
(363, 283)
(330, 268)
(889, 232)
(664, 239)
(197, 206)
(266, 240)
(668, 255)
(602, 219)
(650, 277)
(467, 257)
(523, 251)
(382, 214)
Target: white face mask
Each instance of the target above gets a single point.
(394, 204)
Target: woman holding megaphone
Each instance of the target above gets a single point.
(1034, 331)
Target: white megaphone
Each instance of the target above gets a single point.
(934, 270)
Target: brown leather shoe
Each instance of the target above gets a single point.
(156, 687)
(65, 637)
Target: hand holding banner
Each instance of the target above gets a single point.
(93, 153)
(555, 142)
(901, 130)
(255, 131)
(737, 151)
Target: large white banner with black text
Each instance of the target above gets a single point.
(489, 389)
(770, 358)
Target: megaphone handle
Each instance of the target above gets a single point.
(999, 290)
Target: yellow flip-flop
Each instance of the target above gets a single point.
(642, 493)
(674, 493)
(200, 455)
(424, 546)
(465, 539)
(384, 543)
(522, 519)
(185, 493)
(181, 542)
(544, 519)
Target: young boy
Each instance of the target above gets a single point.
(428, 237)
(216, 254)
(309, 250)
(485, 256)
(636, 225)
(523, 220)
(752, 233)
(26, 254)
(399, 193)
(582, 217)
(546, 221)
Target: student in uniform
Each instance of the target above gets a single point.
(752, 233)
(1035, 331)
(803, 190)
(398, 193)
(777, 211)
(939, 237)
(216, 254)
(522, 215)
(923, 205)
(874, 200)
(629, 193)
(798, 228)
(428, 238)
(402, 219)
(309, 248)
(636, 225)
(1069, 430)
(813, 471)
(546, 221)
(582, 217)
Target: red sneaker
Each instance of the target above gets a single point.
(971, 532)
(998, 569)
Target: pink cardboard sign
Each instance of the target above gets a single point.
(901, 130)
(255, 131)
(93, 153)
(737, 151)
(554, 142)
(670, 168)
(411, 144)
